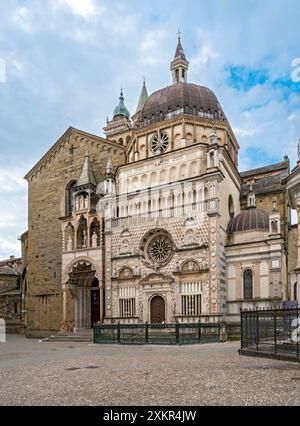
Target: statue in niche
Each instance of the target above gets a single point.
(70, 243)
(94, 239)
(77, 203)
(125, 246)
(189, 237)
(86, 202)
(84, 239)
(81, 202)
(136, 270)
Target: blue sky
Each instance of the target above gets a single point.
(66, 60)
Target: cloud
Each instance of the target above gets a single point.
(149, 54)
(83, 8)
(22, 19)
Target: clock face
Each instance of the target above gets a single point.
(159, 143)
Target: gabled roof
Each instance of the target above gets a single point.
(283, 165)
(58, 143)
(87, 175)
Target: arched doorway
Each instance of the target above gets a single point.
(157, 310)
(87, 295)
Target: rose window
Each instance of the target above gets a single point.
(160, 249)
(159, 143)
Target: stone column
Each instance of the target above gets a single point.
(65, 303)
(101, 303)
(81, 308)
(77, 310)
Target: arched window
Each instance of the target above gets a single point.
(69, 197)
(248, 285)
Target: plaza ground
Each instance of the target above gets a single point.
(36, 373)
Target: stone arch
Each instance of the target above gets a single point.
(183, 171)
(135, 183)
(173, 174)
(69, 234)
(82, 232)
(177, 141)
(190, 265)
(78, 260)
(153, 179)
(189, 139)
(163, 176)
(194, 169)
(95, 233)
(144, 181)
(69, 197)
(125, 272)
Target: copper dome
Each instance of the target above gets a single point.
(247, 220)
(180, 98)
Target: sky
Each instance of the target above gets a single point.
(63, 62)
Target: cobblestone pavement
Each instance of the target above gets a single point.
(35, 373)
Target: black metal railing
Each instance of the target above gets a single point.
(273, 331)
(157, 334)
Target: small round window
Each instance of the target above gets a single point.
(159, 143)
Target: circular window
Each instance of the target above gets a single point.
(159, 143)
(159, 249)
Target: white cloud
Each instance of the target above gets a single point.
(83, 8)
(151, 47)
(22, 19)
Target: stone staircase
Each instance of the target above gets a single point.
(85, 335)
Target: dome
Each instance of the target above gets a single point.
(180, 98)
(121, 108)
(247, 220)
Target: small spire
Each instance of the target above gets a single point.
(109, 167)
(87, 175)
(251, 199)
(179, 53)
(143, 97)
(121, 108)
(179, 65)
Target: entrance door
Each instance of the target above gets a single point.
(157, 310)
(95, 307)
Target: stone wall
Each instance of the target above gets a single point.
(10, 302)
(47, 183)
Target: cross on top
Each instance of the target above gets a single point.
(179, 33)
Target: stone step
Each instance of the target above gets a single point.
(78, 336)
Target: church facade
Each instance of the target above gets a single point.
(154, 222)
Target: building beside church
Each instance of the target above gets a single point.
(154, 222)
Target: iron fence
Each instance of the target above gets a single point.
(157, 334)
(271, 331)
